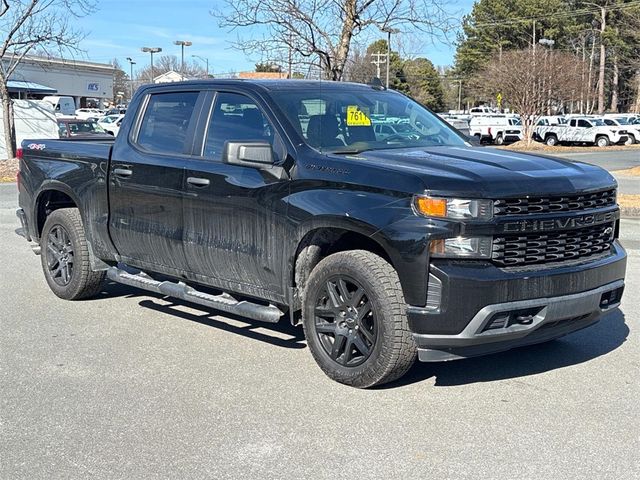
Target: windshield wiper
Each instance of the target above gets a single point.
(347, 151)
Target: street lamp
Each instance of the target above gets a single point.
(131, 64)
(548, 43)
(182, 43)
(389, 31)
(206, 60)
(151, 50)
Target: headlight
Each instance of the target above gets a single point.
(461, 247)
(453, 208)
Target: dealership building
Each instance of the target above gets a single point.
(36, 77)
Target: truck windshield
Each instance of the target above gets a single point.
(352, 121)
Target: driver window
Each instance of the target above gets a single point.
(238, 118)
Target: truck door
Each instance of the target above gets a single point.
(146, 180)
(585, 132)
(235, 216)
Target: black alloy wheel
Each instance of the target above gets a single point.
(345, 321)
(60, 259)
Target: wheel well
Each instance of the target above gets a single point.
(48, 202)
(323, 242)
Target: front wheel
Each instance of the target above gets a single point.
(355, 320)
(602, 141)
(499, 139)
(66, 258)
(630, 140)
(551, 140)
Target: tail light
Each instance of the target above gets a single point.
(19, 153)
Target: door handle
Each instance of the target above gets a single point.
(122, 172)
(198, 182)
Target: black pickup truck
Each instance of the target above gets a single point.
(278, 199)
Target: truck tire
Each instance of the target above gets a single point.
(66, 258)
(631, 140)
(551, 140)
(499, 139)
(355, 322)
(602, 141)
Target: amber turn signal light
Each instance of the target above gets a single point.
(431, 207)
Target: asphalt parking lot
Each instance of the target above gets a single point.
(130, 385)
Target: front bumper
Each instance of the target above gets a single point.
(485, 309)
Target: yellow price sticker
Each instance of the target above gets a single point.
(357, 117)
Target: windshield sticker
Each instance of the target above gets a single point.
(358, 117)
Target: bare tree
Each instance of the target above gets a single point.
(320, 32)
(29, 25)
(531, 82)
(168, 63)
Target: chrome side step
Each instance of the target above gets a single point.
(223, 302)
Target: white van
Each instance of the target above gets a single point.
(62, 105)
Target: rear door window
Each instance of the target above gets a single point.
(166, 122)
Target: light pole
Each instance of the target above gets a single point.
(151, 50)
(548, 43)
(182, 43)
(131, 64)
(206, 60)
(389, 31)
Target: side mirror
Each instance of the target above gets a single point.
(474, 140)
(248, 154)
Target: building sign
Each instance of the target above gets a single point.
(93, 87)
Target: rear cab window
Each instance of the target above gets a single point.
(166, 121)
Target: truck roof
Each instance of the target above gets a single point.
(270, 84)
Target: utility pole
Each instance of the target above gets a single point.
(380, 59)
(459, 94)
(603, 25)
(388, 31)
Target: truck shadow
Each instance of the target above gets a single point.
(599, 339)
(592, 342)
(281, 334)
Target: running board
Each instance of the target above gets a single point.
(223, 302)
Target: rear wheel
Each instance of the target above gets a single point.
(355, 321)
(602, 141)
(65, 256)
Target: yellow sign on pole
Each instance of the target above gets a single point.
(499, 99)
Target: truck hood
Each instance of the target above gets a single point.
(477, 172)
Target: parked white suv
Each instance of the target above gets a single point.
(624, 123)
(581, 130)
(498, 129)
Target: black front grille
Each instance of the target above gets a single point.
(535, 248)
(566, 203)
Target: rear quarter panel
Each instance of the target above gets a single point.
(76, 168)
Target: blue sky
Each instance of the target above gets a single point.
(120, 27)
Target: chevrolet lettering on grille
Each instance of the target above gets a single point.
(558, 223)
